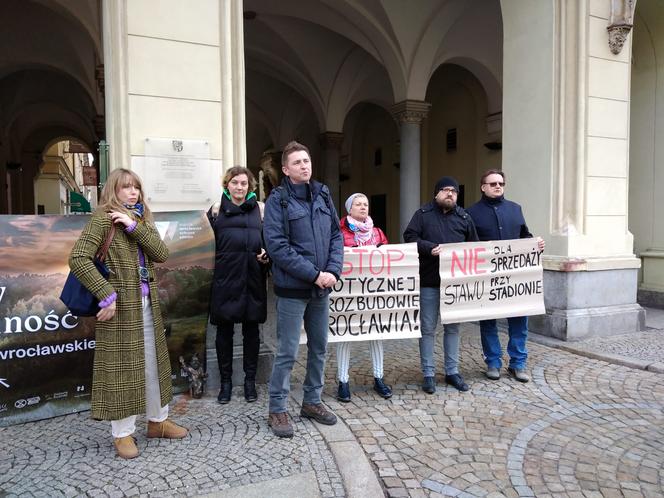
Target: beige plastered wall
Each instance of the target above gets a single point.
(566, 130)
(177, 72)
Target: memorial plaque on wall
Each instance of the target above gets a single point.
(177, 171)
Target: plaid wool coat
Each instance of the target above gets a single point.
(118, 380)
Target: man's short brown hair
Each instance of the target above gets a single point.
(291, 147)
(490, 172)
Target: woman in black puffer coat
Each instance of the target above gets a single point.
(239, 293)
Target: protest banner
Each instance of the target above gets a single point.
(495, 279)
(46, 353)
(377, 296)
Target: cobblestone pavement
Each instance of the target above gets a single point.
(580, 428)
(229, 446)
(644, 350)
(647, 345)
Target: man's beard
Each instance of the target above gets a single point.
(446, 203)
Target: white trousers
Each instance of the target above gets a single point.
(343, 359)
(154, 411)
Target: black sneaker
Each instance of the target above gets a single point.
(225, 393)
(343, 393)
(250, 393)
(429, 385)
(319, 413)
(456, 381)
(382, 389)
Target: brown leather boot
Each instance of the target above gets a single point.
(319, 413)
(280, 425)
(166, 429)
(126, 447)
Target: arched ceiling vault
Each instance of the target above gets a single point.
(48, 70)
(337, 53)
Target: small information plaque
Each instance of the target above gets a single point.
(177, 171)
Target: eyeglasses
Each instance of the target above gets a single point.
(449, 190)
(495, 184)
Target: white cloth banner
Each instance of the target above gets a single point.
(495, 279)
(378, 295)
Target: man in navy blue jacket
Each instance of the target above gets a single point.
(496, 218)
(436, 223)
(305, 244)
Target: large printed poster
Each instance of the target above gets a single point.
(45, 352)
(496, 279)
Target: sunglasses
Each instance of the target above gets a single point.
(495, 184)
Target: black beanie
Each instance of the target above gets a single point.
(446, 181)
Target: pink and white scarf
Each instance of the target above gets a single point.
(363, 231)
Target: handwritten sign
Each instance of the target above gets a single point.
(377, 296)
(495, 279)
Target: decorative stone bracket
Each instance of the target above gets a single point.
(620, 24)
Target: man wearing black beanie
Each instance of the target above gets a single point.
(436, 223)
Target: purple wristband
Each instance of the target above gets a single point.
(107, 301)
(131, 227)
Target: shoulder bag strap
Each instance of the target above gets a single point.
(103, 250)
(283, 195)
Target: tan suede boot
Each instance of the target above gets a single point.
(126, 447)
(166, 429)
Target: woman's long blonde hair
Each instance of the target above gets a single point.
(119, 178)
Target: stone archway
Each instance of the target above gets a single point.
(51, 85)
(646, 149)
(370, 164)
(461, 137)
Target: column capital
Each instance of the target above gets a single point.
(331, 140)
(410, 111)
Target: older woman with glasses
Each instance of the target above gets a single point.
(358, 230)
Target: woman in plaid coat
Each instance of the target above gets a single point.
(132, 372)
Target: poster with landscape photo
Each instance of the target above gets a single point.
(46, 353)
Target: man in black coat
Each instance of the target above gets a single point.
(436, 223)
(496, 218)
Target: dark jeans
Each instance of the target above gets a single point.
(250, 346)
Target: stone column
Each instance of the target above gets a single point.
(231, 50)
(116, 86)
(330, 144)
(565, 154)
(409, 115)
